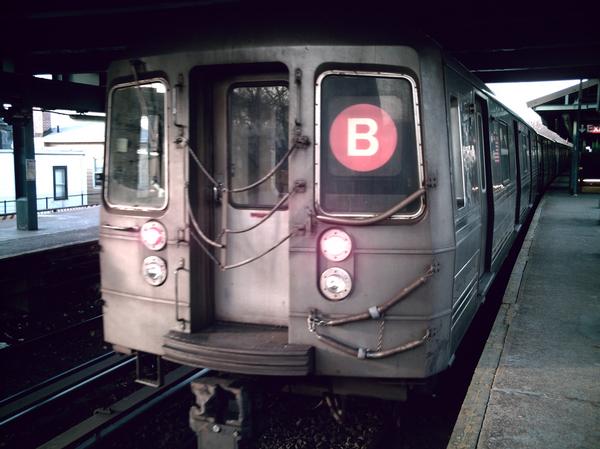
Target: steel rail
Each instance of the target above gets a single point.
(100, 425)
(9, 349)
(47, 395)
(93, 363)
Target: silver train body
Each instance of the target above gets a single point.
(397, 186)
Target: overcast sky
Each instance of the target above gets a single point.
(516, 95)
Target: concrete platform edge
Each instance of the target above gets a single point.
(469, 423)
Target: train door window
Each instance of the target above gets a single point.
(500, 155)
(258, 139)
(136, 175)
(457, 158)
(368, 148)
(60, 182)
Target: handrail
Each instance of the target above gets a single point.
(376, 218)
(84, 201)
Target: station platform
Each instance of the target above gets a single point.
(537, 383)
(55, 229)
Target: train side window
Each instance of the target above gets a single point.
(504, 153)
(457, 157)
(481, 143)
(257, 139)
(500, 154)
(524, 153)
(137, 174)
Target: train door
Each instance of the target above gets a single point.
(250, 138)
(485, 192)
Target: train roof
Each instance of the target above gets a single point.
(539, 128)
(315, 32)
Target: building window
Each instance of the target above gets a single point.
(60, 183)
(98, 172)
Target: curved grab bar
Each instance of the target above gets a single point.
(121, 228)
(377, 218)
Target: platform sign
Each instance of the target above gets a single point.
(363, 137)
(29, 169)
(593, 129)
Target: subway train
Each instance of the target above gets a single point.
(325, 208)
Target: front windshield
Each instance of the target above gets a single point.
(369, 158)
(136, 148)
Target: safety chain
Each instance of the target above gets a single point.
(202, 239)
(299, 142)
(380, 335)
(315, 320)
(299, 187)
(217, 262)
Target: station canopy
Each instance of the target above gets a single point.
(498, 41)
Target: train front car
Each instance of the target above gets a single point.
(281, 210)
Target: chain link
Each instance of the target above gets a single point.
(380, 334)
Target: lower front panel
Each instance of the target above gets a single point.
(137, 323)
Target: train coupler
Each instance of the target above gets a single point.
(221, 416)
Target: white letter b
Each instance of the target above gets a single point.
(354, 136)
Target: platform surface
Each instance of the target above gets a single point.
(55, 229)
(537, 384)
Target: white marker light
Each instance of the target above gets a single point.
(154, 270)
(336, 245)
(335, 283)
(154, 235)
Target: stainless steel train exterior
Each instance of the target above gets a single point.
(394, 185)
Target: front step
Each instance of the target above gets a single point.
(240, 348)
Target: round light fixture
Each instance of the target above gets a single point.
(154, 235)
(335, 244)
(154, 270)
(335, 284)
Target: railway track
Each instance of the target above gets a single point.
(40, 281)
(57, 402)
(29, 344)
(21, 405)
(102, 391)
(28, 363)
(118, 415)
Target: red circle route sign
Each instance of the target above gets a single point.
(363, 137)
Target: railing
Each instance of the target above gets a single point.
(47, 203)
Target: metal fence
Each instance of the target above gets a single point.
(47, 203)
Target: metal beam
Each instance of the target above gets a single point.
(562, 93)
(49, 94)
(564, 107)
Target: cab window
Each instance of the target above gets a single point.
(369, 155)
(136, 175)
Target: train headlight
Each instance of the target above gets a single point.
(154, 270)
(335, 245)
(154, 235)
(335, 283)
